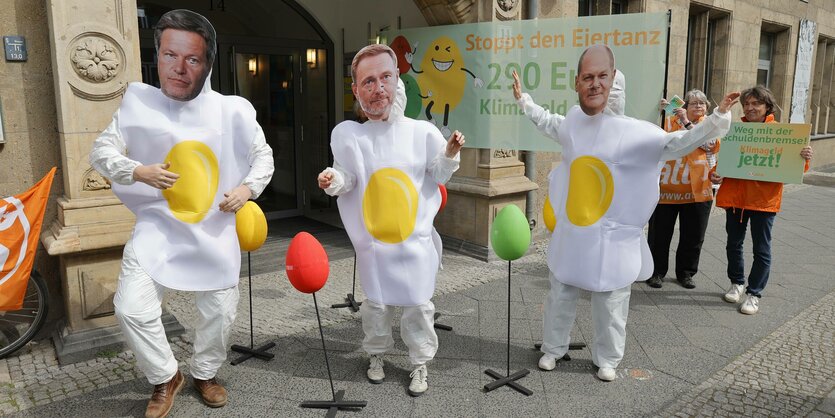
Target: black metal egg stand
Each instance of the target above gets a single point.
(251, 351)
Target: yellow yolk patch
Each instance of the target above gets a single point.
(389, 206)
(548, 215)
(193, 193)
(590, 190)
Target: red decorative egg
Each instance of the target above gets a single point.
(442, 188)
(307, 263)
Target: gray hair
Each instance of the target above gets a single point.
(182, 19)
(696, 95)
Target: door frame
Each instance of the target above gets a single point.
(227, 70)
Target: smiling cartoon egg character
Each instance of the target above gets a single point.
(443, 79)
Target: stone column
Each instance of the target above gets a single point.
(489, 179)
(95, 54)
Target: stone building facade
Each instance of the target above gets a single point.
(82, 54)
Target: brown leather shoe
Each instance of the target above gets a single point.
(212, 392)
(163, 397)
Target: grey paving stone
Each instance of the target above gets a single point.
(461, 402)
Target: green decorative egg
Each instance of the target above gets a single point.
(510, 234)
(413, 99)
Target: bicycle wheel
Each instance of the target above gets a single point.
(18, 327)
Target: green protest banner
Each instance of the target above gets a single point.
(459, 76)
(764, 151)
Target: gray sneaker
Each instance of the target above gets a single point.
(375, 371)
(751, 305)
(418, 385)
(734, 293)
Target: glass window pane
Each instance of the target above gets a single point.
(766, 41)
(762, 77)
(267, 81)
(584, 8)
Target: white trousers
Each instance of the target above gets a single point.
(417, 328)
(138, 303)
(608, 313)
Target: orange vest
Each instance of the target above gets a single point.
(763, 196)
(686, 180)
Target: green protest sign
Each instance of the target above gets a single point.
(459, 76)
(764, 151)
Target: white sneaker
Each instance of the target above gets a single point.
(606, 374)
(375, 369)
(734, 293)
(418, 385)
(548, 362)
(751, 305)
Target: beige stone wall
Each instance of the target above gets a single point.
(747, 20)
(29, 120)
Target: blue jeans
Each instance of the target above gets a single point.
(736, 222)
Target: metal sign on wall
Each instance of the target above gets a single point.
(15, 47)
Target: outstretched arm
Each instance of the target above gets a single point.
(547, 123)
(681, 143)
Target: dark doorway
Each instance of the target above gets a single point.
(286, 71)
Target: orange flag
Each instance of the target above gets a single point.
(21, 217)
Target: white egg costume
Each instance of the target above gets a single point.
(603, 193)
(386, 174)
(201, 255)
(181, 239)
(397, 263)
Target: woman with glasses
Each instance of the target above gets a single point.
(751, 201)
(686, 194)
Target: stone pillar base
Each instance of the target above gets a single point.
(472, 204)
(73, 347)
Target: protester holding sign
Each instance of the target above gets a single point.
(755, 201)
(605, 197)
(685, 194)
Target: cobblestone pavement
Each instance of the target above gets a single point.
(687, 352)
(789, 373)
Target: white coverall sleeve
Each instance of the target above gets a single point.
(342, 182)
(441, 167)
(108, 155)
(683, 142)
(261, 164)
(547, 123)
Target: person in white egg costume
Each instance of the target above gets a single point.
(386, 173)
(184, 159)
(602, 199)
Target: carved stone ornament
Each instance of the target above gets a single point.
(93, 181)
(95, 59)
(507, 8)
(504, 153)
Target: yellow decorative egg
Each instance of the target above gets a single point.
(193, 193)
(590, 190)
(251, 226)
(548, 215)
(389, 205)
